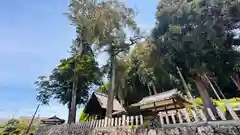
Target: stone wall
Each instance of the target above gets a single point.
(74, 130)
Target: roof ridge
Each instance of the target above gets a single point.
(173, 90)
(102, 94)
(99, 93)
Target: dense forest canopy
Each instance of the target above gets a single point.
(196, 36)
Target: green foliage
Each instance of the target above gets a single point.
(17, 127)
(196, 36)
(135, 72)
(83, 117)
(220, 103)
(193, 35)
(59, 84)
(103, 89)
(102, 22)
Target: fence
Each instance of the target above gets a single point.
(187, 122)
(193, 116)
(113, 122)
(166, 118)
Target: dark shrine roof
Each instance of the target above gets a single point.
(53, 119)
(99, 101)
(103, 98)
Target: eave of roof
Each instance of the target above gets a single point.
(161, 97)
(102, 99)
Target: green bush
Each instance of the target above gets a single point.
(83, 117)
(220, 103)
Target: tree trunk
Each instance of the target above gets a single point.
(187, 89)
(210, 83)
(207, 102)
(69, 116)
(220, 91)
(78, 52)
(31, 122)
(185, 85)
(72, 113)
(149, 90)
(154, 89)
(69, 112)
(110, 94)
(235, 82)
(122, 102)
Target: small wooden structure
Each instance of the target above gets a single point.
(162, 102)
(97, 104)
(52, 121)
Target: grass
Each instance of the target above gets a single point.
(220, 103)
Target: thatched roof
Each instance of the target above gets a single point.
(97, 105)
(103, 99)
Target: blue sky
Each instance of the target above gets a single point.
(34, 36)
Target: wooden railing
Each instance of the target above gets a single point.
(166, 118)
(193, 116)
(113, 122)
